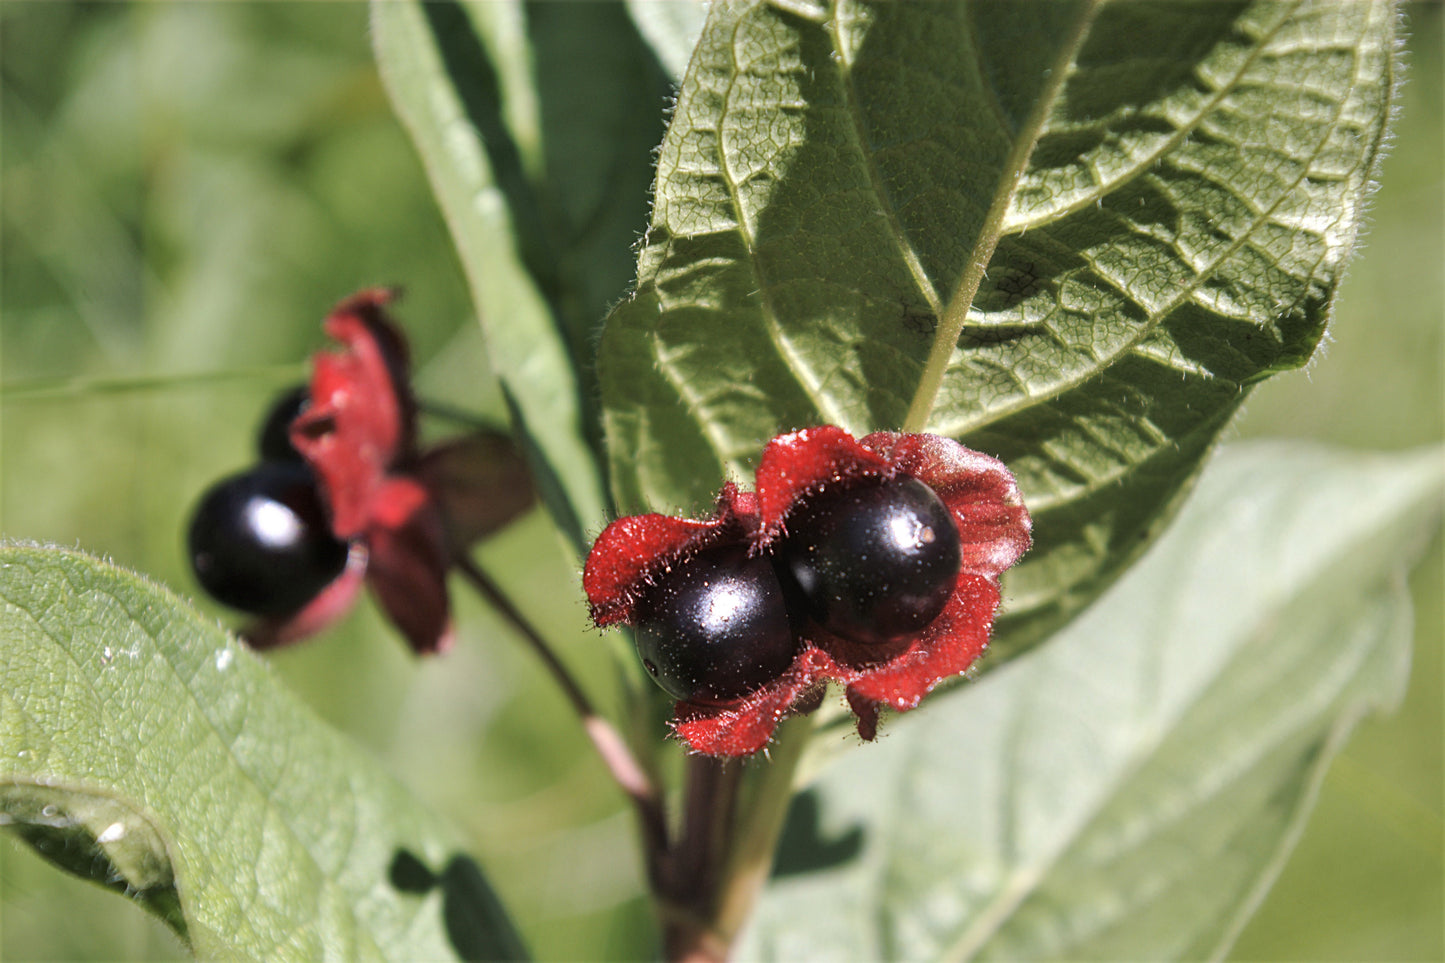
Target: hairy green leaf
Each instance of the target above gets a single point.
(144, 748)
(544, 191)
(1130, 791)
(1069, 234)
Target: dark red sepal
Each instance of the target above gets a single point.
(949, 645)
(359, 436)
(409, 562)
(480, 483)
(744, 727)
(993, 529)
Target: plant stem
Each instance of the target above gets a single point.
(692, 875)
(613, 749)
(732, 818)
(955, 311)
(750, 860)
(707, 878)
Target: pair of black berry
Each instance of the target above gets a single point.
(869, 562)
(259, 540)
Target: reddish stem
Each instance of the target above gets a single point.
(694, 870)
(689, 874)
(610, 745)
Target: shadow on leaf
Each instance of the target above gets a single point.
(804, 849)
(476, 923)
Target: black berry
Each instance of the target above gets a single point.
(259, 540)
(274, 441)
(874, 560)
(713, 627)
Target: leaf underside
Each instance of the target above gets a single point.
(1069, 234)
(144, 748)
(1130, 791)
(544, 192)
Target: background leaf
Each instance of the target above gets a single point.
(544, 192)
(1071, 235)
(1130, 791)
(671, 29)
(142, 746)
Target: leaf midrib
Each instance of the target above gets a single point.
(955, 313)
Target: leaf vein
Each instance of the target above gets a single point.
(1104, 185)
(889, 211)
(1155, 315)
(786, 350)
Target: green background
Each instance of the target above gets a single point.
(184, 191)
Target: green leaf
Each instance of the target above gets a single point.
(1069, 234)
(1130, 791)
(545, 192)
(671, 28)
(144, 748)
(599, 152)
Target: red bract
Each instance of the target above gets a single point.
(631, 551)
(993, 527)
(360, 424)
(359, 437)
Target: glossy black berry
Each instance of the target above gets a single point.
(274, 441)
(259, 540)
(713, 627)
(873, 560)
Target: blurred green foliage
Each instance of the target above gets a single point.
(1368, 881)
(185, 189)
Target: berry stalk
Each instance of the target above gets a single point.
(611, 747)
(733, 816)
(692, 873)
